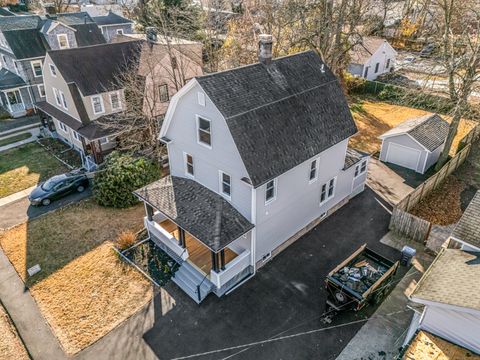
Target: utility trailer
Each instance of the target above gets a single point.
(364, 277)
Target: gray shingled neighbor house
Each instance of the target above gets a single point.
(24, 41)
(113, 24)
(416, 143)
(466, 234)
(258, 155)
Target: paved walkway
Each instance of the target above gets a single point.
(34, 136)
(17, 196)
(23, 310)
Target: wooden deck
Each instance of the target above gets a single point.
(198, 253)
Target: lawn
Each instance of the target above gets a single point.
(25, 166)
(11, 347)
(375, 118)
(14, 139)
(84, 290)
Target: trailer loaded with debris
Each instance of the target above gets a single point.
(365, 276)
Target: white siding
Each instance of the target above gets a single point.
(406, 141)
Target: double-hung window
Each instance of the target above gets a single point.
(63, 41)
(76, 135)
(115, 101)
(62, 126)
(104, 140)
(41, 90)
(328, 191)
(204, 132)
(225, 184)
(37, 68)
(270, 191)
(58, 99)
(361, 168)
(64, 100)
(53, 69)
(377, 66)
(189, 165)
(97, 104)
(313, 171)
(163, 92)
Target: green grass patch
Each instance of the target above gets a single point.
(15, 138)
(25, 166)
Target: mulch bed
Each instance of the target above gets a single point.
(63, 151)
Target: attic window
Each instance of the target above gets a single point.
(204, 131)
(63, 41)
(53, 70)
(115, 100)
(270, 191)
(97, 104)
(201, 99)
(119, 31)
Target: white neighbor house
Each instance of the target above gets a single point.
(258, 156)
(372, 57)
(447, 301)
(416, 143)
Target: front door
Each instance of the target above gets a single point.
(15, 101)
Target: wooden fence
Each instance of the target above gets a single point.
(414, 197)
(471, 137)
(409, 225)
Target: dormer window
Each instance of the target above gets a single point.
(115, 101)
(37, 68)
(63, 41)
(53, 70)
(97, 105)
(204, 131)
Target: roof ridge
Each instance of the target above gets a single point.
(429, 270)
(79, 48)
(282, 99)
(426, 116)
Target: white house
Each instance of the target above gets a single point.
(258, 155)
(447, 299)
(372, 57)
(466, 234)
(415, 143)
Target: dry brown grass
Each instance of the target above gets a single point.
(443, 205)
(11, 347)
(125, 239)
(375, 118)
(83, 290)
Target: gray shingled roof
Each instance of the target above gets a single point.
(10, 80)
(468, 228)
(451, 279)
(281, 114)
(20, 22)
(199, 211)
(353, 157)
(27, 43)
(94, 69)
(111, 19)
(5, 12)
(429, 130)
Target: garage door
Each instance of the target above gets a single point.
(403, 156)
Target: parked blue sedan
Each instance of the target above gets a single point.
(57, 187)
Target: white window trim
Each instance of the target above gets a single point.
(101, 103)
(64, 100)
(201, 98)
(104, 140)
(359, 167)
(66, 38)
(41, 86)
(220, 184)
(76, 135)
(53, 70)
(317, 161)
(327, 184)
(269, 201)
(198, 132)
(32, 63)
(119, 100)
(63, 127)
(56, 95)
(119, 31)
(186, 167)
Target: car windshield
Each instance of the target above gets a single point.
(50, 183)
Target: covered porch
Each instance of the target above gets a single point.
(201, 231)
(14, 94)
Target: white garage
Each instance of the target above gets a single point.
(416, 143)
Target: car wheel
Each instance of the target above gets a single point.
(46, 202)
(81, 188)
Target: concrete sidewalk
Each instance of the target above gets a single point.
(32, 327)
(17, 196)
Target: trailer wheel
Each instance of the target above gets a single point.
(340, 297)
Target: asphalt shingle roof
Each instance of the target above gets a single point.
(281, 114)
(429, 130)
(6, 12)
(451, 279)
(468, 228)
(353, 157)
(88, 34)
(94, 69)
(361, 52)
(20, 22)
(9, 79)
(26, 43)
(199, 211)
(111, 19)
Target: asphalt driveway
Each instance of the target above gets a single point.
(20, 211)
(286, 298)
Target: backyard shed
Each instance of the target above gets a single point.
(416, 143)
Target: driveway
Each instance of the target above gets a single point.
(20, 211)
(286, 298)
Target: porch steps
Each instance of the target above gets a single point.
(188, 278)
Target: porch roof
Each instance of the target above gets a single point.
(204, 214)
(9, 80)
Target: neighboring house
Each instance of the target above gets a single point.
(113, 24)
(372, 57)
(447, 301)
(416, 143)
(81, 86)
(24, 41)
(5, 12)
(166, 68)
(258, 155)
(466, 234)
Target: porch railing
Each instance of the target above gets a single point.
(17, 108)
(233, 268)
(166, 238)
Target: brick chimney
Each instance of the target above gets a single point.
(265, 48)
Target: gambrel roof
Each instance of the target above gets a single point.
(430, 131)
(281, 114)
